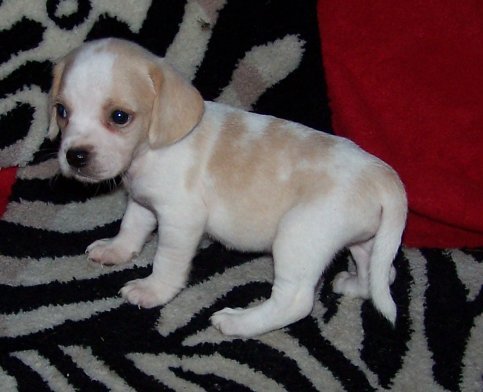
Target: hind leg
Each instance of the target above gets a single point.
(300, 257)
(357, 284)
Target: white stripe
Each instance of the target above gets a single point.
(41, 171)
(473, 358)
(68, 218)
(158, 366)
(188, 48)
(271, 63)
(470, 272)
(7, 382)
(31, 272)
(49, 373)
(96, 369)
(418, 360)
(231, 370)
(310, 367)
(204, 294)
(347, 340)
(18, 154)
(46, 317)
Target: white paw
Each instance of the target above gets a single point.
(231, 322)
(109, 252)
(349, 284)
(148, 292)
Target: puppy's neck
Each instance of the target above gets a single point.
(136, 162)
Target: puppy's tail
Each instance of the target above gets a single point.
(386, 245)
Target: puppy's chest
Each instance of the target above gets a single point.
(145, 188)
(152, 183)
(139, 192)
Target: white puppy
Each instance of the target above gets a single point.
(256, 183)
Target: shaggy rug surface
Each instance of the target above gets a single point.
(63, 325)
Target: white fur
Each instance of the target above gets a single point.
(302, 207)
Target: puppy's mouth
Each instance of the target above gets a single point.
(91, 174)
(83, 177)
(85, 168)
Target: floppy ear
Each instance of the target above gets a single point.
(177, 108)
(57, 77)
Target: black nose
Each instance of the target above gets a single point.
(77, 157)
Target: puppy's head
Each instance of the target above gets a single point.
(111, 100)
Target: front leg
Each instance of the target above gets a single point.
(137, 224)
(176, 247)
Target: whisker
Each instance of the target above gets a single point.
(112, 184)
(98, 188)
(47, 153)
(53, 180)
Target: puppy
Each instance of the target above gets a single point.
(253, 182)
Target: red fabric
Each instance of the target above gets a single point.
(7, 179)
(405, 82)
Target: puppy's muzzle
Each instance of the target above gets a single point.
(77, 158)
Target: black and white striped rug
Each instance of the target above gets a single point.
(63, 325)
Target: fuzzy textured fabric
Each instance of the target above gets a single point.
(7, 179)
(63, 326)
(406, 83)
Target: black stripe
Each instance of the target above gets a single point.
(350, 376)
(106, 334)
(272, 363)
(65, 365)
(209, 382)
(32, 73)
(47, 150)
(107, 26)
(57, 190)
(122, 331)
(67, 293)
(302, 96)
(20, 241)
(23, 35)
(329, 299)
(27, 379)
(161, 25)
(234, 35)
(216, 259)
(448, 318)
(15, 124)
(477, 253)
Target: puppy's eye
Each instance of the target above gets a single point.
(61, 111)
(120, 117)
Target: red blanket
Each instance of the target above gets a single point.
(405, 82)
(7, 178)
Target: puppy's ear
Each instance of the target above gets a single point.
(57, 77)
(177, 109)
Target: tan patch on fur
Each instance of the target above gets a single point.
(177, 109)
(267, 173)
(199, 141)
(132, 93)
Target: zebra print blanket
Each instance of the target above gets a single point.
(63, 325)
